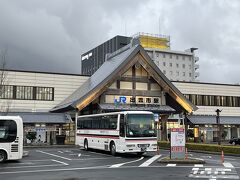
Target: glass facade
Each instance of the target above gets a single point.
(212, 100)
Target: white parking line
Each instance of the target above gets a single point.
(171, 165)
(121, 164)
(60, 162)
(37, 160)
(86, 159)
(195, 169)
(37, 166)
(150, 161)
(54, 155)
(26, 163)
(99, 153)
(228, 165)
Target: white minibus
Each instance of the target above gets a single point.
(11, 138)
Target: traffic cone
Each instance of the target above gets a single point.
(222, 157)
(186, 154)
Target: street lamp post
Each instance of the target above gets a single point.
(218, 125)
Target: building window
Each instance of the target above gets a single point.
(190, 74)
(176, 56)
(164, 63)
(183, 66)
(177, 65)
(190, 58)
(170, 56)
(170, 64)
(177, 73)
(193, 99)
(164, 55)
(6, 92)
(164, 71)
(44, 93)
(24, 92)
(183, 57)
(199, 100)
(229, 101)
(190, 66)
(184, 73)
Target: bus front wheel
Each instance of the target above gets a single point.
(113, 148)
(86, 144)
(3, 156)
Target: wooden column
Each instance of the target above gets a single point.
(164, 136)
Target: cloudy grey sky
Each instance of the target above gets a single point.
(51, 35)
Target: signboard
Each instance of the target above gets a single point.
(121, 100)
(177, 143)
(156, 117)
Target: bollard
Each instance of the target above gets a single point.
(186, 154)
(222, 157)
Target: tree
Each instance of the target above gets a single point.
(31, 135)
(4, 108)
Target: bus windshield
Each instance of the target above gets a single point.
(140, 125)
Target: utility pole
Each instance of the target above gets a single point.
(219, 126)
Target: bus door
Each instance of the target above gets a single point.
(122, 130)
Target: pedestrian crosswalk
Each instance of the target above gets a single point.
(226, 171)
(212, 172)
(150, 161)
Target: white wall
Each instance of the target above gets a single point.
(63, 85)
(211, 89)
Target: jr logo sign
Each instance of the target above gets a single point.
(121, 100)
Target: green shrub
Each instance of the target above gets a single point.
(205, 147)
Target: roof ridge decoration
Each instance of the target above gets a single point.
(110, 71)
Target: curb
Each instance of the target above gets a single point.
(182, 161)
(208, 152)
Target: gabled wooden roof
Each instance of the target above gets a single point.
(114, 67)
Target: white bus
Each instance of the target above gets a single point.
(11, 138)
(118, 132)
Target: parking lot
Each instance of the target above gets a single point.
(75, 163)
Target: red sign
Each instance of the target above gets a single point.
(177, 148)
(177, 130)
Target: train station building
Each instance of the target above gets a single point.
(127, 80)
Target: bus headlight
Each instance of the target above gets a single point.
(130, 145)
